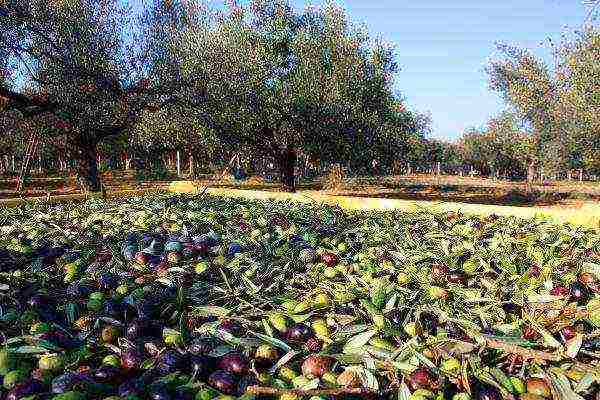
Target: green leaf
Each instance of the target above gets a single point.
(29, 350)
(211, 311)
(561, 386)
(358, 341)
(272, 341)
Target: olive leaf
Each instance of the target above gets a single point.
(272, 341)
(358, 341)
(562, 387)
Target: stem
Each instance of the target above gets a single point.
(258, 390)
(523, 352)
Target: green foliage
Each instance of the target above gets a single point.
(503, 145)
(562, 106)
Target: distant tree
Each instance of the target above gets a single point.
(562, 106)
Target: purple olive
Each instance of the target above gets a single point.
(183, 393)
(429, 323)
(579, 293)
(132, 387)
(299, 333)
(107, 374)
(131, 359)
(25, 389)
(138, 327)
(170, 362)
(231, 326)
(108, 281)
(113, 308)
(200, 364)
(158, 391)
(223, 381)
(234, 363)
(38, 300)
(397, 317)
(488, 393)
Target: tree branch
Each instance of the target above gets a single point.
(23, 104)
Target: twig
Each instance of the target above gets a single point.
(258, 390)
(525, 353)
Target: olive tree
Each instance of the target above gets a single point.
(93, 68)
(277, 81)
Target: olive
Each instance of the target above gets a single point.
(145, 308)
(579, 293)
(299, 333)
(316, 366)
(538, 386)
(421, 378)
(567, 333)
(559, 291)
(313, 345)
(79, 290)
(113, 309)
(488, 393)
(223, 381)
(534, 271)
(234, 363)
(529, 333)
(439, 272)
(202, 346)
(457, 278)
(512, 308)
(158, 391)
(231, 326)
(108, 281)
(107, 374)
(38, 300)
(132, 387)
(131, 359)
(68, 381)
(200, 364)
(429, 323)
(24, 389)
(137, 328)
(453, 330)
(170, 361)
(397, 317)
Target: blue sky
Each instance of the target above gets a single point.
(442, 47)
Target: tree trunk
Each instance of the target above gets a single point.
(178, 163)
(191, 156)
(86, 164)
(530, 172)
(287, 162)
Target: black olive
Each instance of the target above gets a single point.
(137, 328)
(158, 391)
(183, 393)
(579, 293)
(488, 393)
(429, 323)
(107, 374)
(453, 330)
(512, 308)
(397, 317)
